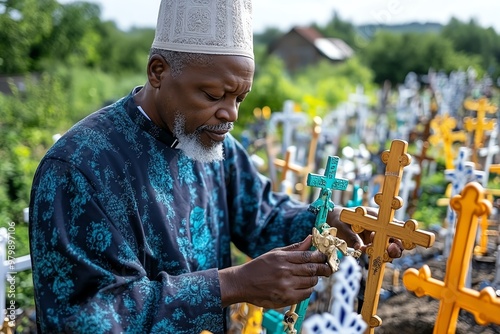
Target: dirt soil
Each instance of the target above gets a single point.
(405, 313)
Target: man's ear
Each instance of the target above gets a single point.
(157, 68)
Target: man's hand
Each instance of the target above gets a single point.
(282, 277)
(364, 239)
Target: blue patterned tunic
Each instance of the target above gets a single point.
(127, 234)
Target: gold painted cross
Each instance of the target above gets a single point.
(443, 127)
(288, 164)
(480, 124)
(385, 228)
(484, 304)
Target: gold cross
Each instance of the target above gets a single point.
(301, 171)
(384, 227)
(443, 127)
(479, 124)
(484, 304)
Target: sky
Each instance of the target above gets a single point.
(284, 14)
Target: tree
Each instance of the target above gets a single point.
(25, 23)
(392, 56)
(268, 37)
(338, 28)
(472, 39)
(75, 36)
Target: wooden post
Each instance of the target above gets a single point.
(384, 227)
(484, 304)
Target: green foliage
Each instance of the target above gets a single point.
(326, 85)
(432, 188)
(338, 28)
(393, 56)
(75, 63)
(317, 89)
(23, 138)
(24, 24)
(472, 39)
(271, 87)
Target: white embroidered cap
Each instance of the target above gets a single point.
(205, 26)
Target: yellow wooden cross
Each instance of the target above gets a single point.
(385, 228)
(301, 171)
(443, 127)
(480, 124)
(484, 304)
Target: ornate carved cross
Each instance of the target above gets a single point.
(385, 228)
(484, 304)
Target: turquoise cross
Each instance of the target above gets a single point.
(327, 183)
(321, 206)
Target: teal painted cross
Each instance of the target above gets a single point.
(327, 183)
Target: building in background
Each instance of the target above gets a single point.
(305, 46)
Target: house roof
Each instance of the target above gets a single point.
(332, 48)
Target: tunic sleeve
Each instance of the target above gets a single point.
(88, 272)
(262, 219)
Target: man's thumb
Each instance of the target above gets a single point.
(300, 246)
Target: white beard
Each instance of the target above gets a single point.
(192, 146)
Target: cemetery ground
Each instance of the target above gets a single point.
(405, 313)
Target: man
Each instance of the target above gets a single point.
(134, 208)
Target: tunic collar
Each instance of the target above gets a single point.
(147, 125)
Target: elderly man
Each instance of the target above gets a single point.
(133, 210)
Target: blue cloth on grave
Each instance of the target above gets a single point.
(127, 233)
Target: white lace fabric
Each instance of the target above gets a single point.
(205, 26)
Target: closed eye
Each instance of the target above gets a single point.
(213, 98)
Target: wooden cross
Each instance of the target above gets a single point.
(422, 158)
(289, 165)
(443, 127)
(246, 318)
(327, 182)
(384, 227)
(479, 124)
(484, 304)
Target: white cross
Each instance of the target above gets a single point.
(489, 152)
(359, 102)
(332, 128)
(342, 319)
(408, 185)
(463, 173)
(290, 120)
